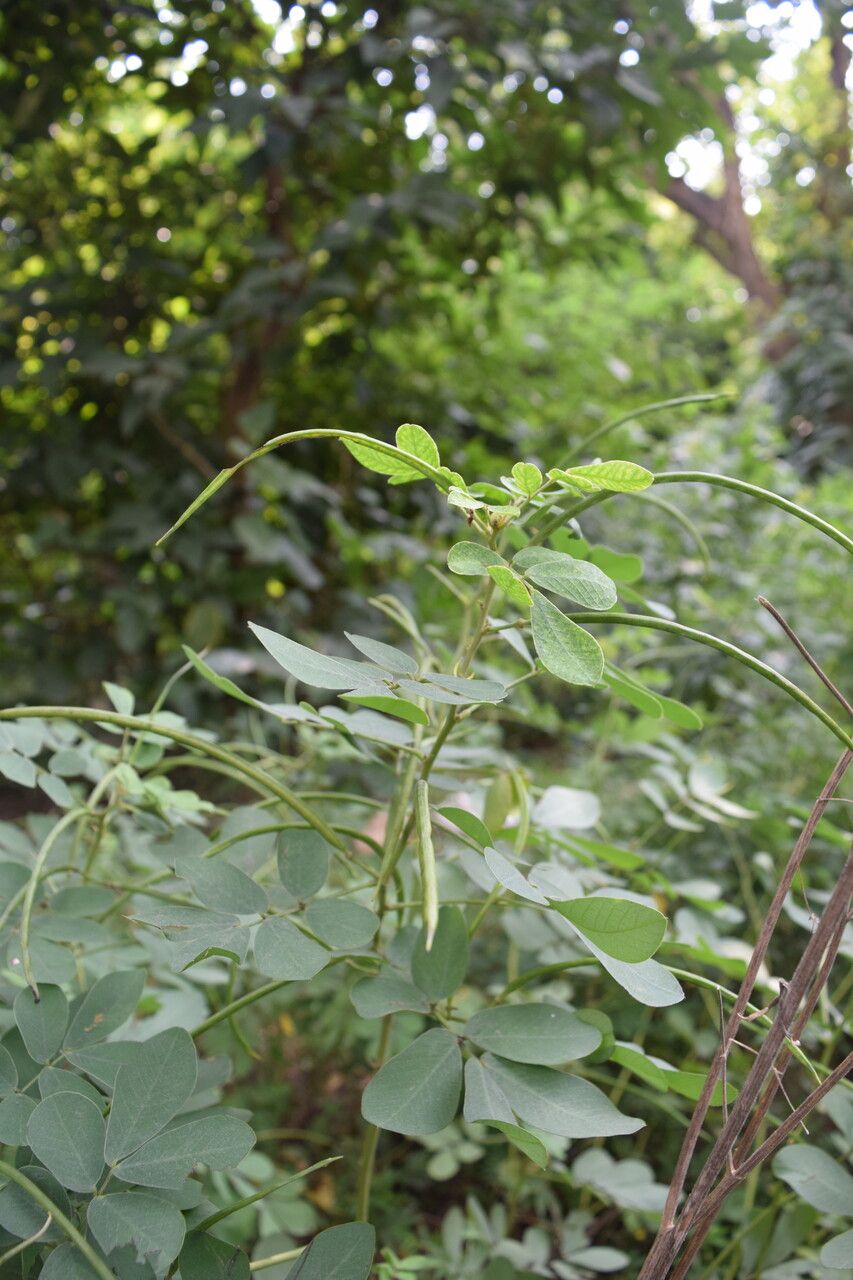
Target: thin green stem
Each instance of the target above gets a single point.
(699, 398)
(275, 1258)
(73, 815)
(35, 1193)
(731, 650)
(371, 1135)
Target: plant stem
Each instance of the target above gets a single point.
(371, 1136)
(35, 1193)
(73, 815)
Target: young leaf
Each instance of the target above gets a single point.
(508, 875)
(565, 576)
(221, 886)
(219, 1141)
(384, 655)
(153, 1227)
(41, 1023)
(413, 439)
(616, 476)
(527, 1143)
(389, 705)
(472, 559)
(625, 930)
(528, 477)
(511, 585)
(344, 925)
(315, 669)
(565, 649)
(417, 1092)
(338, 1253)
(390, 464)
(284, 953)
(558, 1103)
(105, 1007)
(543, 1034)
(441, 970)
(66, 1133)
(149, 1090)
(303, 862)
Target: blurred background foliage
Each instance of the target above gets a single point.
(508, 220)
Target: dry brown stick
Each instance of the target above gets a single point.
(667, 1243)
(758, 1157)
(801, 648)
(756, 960)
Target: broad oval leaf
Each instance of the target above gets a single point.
(149, 1090)
(338, 1253)
(284, 953)
(66, 1262)
(221, 886)
(66, 1132)
(625, 930)
(837, 1253)
(538, 1033)
(558, 1103)
(417, 1092)
(344, 925)
(219, 1141)
(441, 970)
(41, 1022)
(484, 1098)
(565, 649)
(821, 1181)
(527, 476)
(388, 992)
(564, 575)
(415, 440)
(472, 559)
(303, 862)
(153, 1227)
(105, 1007)
(384, 655)
(616, 476)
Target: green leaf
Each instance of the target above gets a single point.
(41, 1023)
(643, 699)
(15, 1112)
(314, 669)
(528, 477)
(467, 688)
(221, 886)
(624, 859)
(821, 1181)
(105, 1007)
(417, 1092)
(389, 705)
(344, 925)
(388, 992)
(8, 1072)
(511, 585)
(21, 1215)
(284, 953)
(649, 983)
(563, 574)
(620, 565)
(527, 1143)
(66, 1133)
(149, 1090)
(469, 823)
(539, 1033)
(837, 1253)
(624, 929)
(56, 1080)
(203, 1257)
(639, 1064)
(122, 699)
(484, 1098)
(338, 1253)
(560, 808)
(303, 862)
(616, 477)
(565, 649)
(415, 440)
(685, 717)
(391, 464)
(67, 1263)
(508, 875)
(219, 1141)
(558, 1103)
(472, 559)
(153, 1227)
(102, 1061)
(441, 970)
(384, 655)
(220, 682)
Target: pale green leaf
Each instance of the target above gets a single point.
(149, 1090)
(384, 655)
(837, 1253)
(338, 1253)
(484, 1098)
(67, 1263)
(389, 705)
(388, 992)
(511, 585)
(558, 1103)
(218, 1141)
(284, 953)
(41, 1022)
(441, 970)
(203, 1257)
(153, 1227)
(221, 886)
(21, 1215)
(528, 1144)
(472, 559)
(565, 576)
(15, 1111)
(625, 930)
(508, 875)
(469, 823)
(565, 649)
(415, 440)
(314, 669)
(344, 925)
(816, 1177)
(391, 464)
(105, 1007)
(616, 477)
(527, 476)
(303, 862)
(66, 1133)
(417, 1092)
(543, 1034)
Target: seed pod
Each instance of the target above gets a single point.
(426, 862)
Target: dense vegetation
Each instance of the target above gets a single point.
(429, 858)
